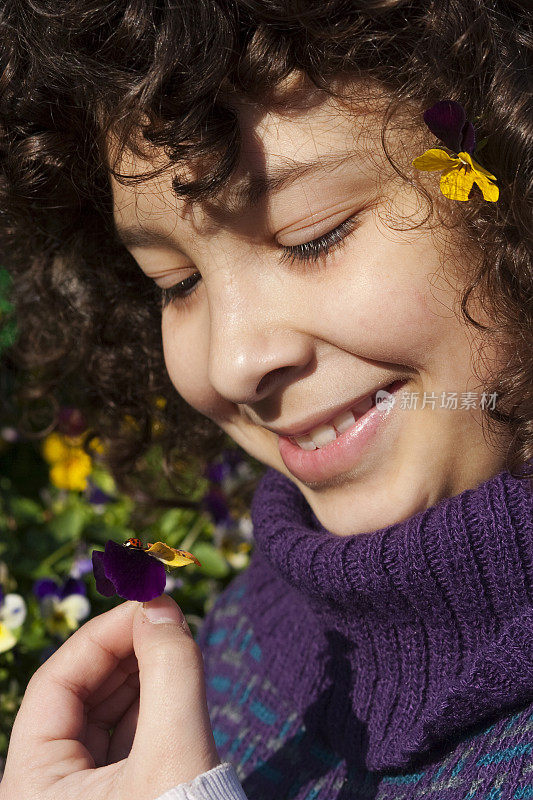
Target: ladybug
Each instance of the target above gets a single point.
(131, 542)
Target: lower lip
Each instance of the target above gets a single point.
(343, 452)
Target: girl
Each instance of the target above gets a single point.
(231, 202)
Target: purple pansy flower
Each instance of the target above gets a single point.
(97, 496)
(216, 472)
(46, 586)
(214, 501)
(136, 572)
(81, 565)
(232, 457)
(70, 421)
(447, 121)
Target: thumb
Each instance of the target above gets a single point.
(173, 741)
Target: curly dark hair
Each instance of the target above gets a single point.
(72, 71)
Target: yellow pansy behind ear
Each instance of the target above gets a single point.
(434, 159)
(458, 174)
(490, 190)
(456, 184)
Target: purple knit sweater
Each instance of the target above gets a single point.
(391, 664)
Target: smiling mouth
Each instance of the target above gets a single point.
(326, 432)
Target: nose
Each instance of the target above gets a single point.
(255, 345)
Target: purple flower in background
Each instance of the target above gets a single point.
(216, 472)
(214, 501)
(136, 572)
(97, 496)
(81, 566)
(232, 457)
(447, 121)
(46, 586)
(219, 471)
(70, 421)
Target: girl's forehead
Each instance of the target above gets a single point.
(277, 146)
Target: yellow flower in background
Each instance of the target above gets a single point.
(458, 174)
(70, 464)
(62, 617)
(97, 445)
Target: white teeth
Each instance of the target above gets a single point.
(325, 434)
(344, 421)
(305, 442)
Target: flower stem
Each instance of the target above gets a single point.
(193, 533)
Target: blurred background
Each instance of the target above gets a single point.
(58, 504)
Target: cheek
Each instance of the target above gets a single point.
(394, 318)
(184, 361)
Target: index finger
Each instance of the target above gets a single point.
(53, 706)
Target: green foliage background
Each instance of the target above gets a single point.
(43, 529)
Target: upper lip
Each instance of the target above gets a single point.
(310, 423)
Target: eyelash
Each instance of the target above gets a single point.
(306, 252)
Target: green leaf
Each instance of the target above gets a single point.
(173, 523)
(68, 524)
(101, 478)
(213, 562)
(24, 509)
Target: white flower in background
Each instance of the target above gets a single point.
(12, 615)
(62, 607)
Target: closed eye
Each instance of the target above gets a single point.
(311, 251)
(183, 291)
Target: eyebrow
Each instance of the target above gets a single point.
(249, 194)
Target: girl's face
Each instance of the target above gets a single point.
(270, 340)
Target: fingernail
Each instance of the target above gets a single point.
(162, 610)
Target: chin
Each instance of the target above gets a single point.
(363, 509)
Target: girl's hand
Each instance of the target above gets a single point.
(118, 712)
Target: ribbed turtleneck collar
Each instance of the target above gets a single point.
(421, 629)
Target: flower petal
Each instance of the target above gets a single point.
(456, 184)
(75, 607)
(134, 574)
(434, 159)
(489, 189)
(483, 171)
(72, 586)
(7, 640)
(468, 138)
(103, 584)
(45, 586)
(71, 473)
(54, 448)
(13, 612)
(215, 502)
(171, 556)
(446, 120)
